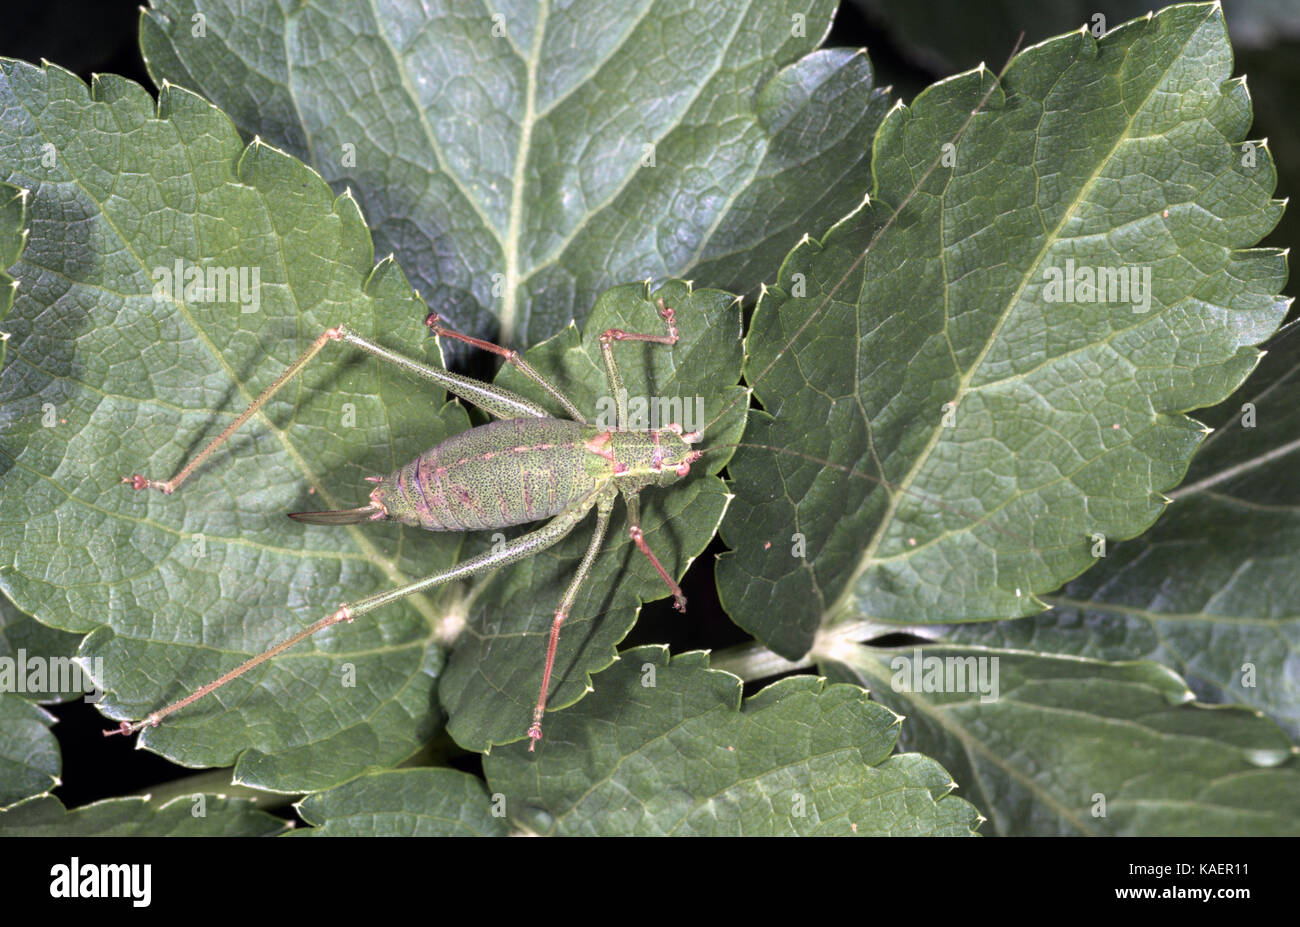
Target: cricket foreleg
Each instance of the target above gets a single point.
(494, 400)
(634, 532)
(604, 506)
(611, 368)
(512, 357)
(525, 546)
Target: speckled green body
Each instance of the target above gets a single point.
(520, 470)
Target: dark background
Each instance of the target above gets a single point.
(909, 50)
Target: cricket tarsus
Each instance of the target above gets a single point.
(583, 467)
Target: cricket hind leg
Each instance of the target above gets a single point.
(524, 546)
(494, 400)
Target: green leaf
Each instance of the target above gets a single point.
(26, 642)
(1211, 590)
(951, 35)
(140, 817)
(13, 238)
(404, 803)
(29, 754)
(491, 682)
(954, 34)
(520, 159)
(995, 431)
(667, 747)
(177, 589)
(1077, 746)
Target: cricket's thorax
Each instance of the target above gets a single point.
(521, 470)
(645, 458)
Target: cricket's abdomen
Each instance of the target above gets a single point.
(493, 476)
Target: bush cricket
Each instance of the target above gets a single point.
(555, 468)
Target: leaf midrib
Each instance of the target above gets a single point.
(510, 307)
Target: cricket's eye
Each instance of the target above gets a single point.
(684, 468)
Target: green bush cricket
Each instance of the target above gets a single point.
(554, 468)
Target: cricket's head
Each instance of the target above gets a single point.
(652, 458)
